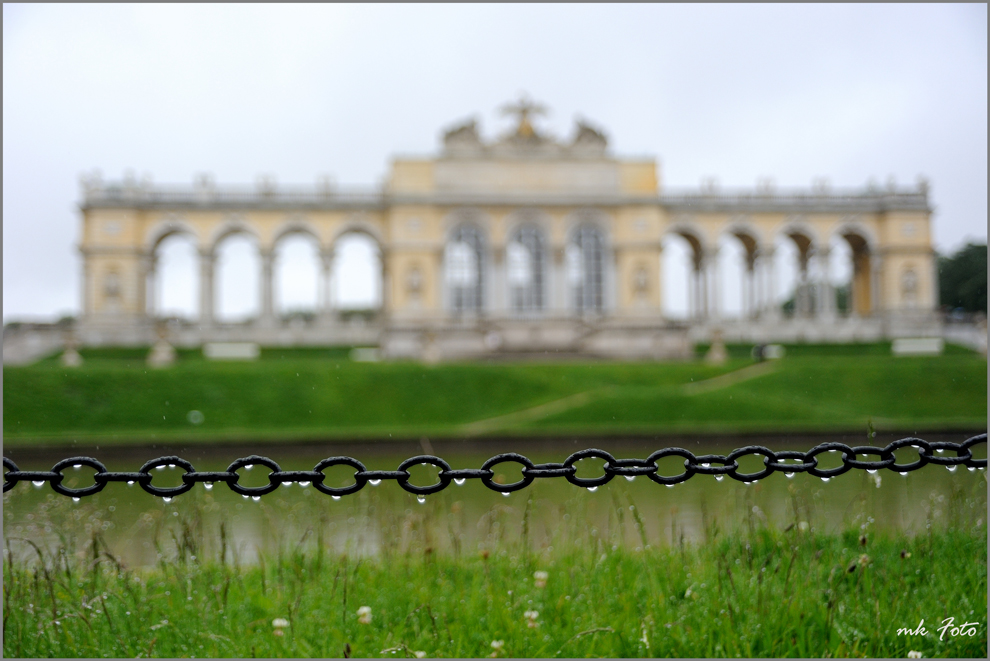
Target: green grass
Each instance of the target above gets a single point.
(769, 594)
(319, 394)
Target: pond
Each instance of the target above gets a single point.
(139, 529)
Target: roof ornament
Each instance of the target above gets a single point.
(524, 108)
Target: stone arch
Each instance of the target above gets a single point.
(359, 224)
(307, 295)
(739, 246)
(160, 270)
(239, 303)
(296, 225)
(862, 246)
(166, 227)
(355, 266)
(231, 226)
(797, 232)
(693, 279)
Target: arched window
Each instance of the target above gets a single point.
(464, 260)
(586, 268)
(524, 262)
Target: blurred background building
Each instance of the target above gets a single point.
(525, 244)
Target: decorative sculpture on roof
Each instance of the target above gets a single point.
(524, 108)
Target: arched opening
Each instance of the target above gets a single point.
(795, 289)
(737, 262)
(237, 278)
(683, 276)
(174, 278)
(357, 274)
(525, 270)
(586, 270)
(464, 270)
(296, 277)
(680, 264)
(840, 259)
(860, 273)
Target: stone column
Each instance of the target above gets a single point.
(711, 276)
(875, 283)
(87, 283)
(826, 293)
(770, 308)
(267, 288)
(325, 288)
(207, 261)
(558, 282)
(149, 280)
(386, 283)
(498, 294)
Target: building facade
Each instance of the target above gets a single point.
(523, 245)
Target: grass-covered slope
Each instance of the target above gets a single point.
(115, 397)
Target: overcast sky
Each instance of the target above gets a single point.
(846, 92)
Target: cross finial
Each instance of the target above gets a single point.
(524, 108)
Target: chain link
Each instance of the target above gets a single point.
(709, 464)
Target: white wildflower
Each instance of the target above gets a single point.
(540, 579)
(280, 623)
(419, 654)
(531, 619)
(914, 655)
(497, 645)
(364, 615)
(802, 526)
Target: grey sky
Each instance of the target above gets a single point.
(847, 92)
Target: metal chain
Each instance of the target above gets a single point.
(709, 464)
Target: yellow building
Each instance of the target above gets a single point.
(522, 245)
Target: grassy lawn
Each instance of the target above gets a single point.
(320, 394)
(772, 593)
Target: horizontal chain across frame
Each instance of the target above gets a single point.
(709, 464)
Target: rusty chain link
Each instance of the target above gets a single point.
(709, 464)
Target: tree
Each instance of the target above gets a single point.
(963, 279)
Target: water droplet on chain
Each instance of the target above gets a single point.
(951, 469)
(249, 467)
(630, 477)
(244, 496)
(592, 488)
(335, 497)
(971, 469)
(747, 483)
(940, 451)
(505, 493)
(255, 498)
(208, 485)
(374, 483)
(669, 486)
(904, 474)
(719, 478)
(130, 483)
(76, 466)
(160, 468)
(167, 499)
(871, 471)
(40, 483)
(287, 484)
(826, 479)
(304, 484)
(75, 499)
(789, 475)
(460, 480)
(421, 498)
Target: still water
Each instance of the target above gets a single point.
(212, 524)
